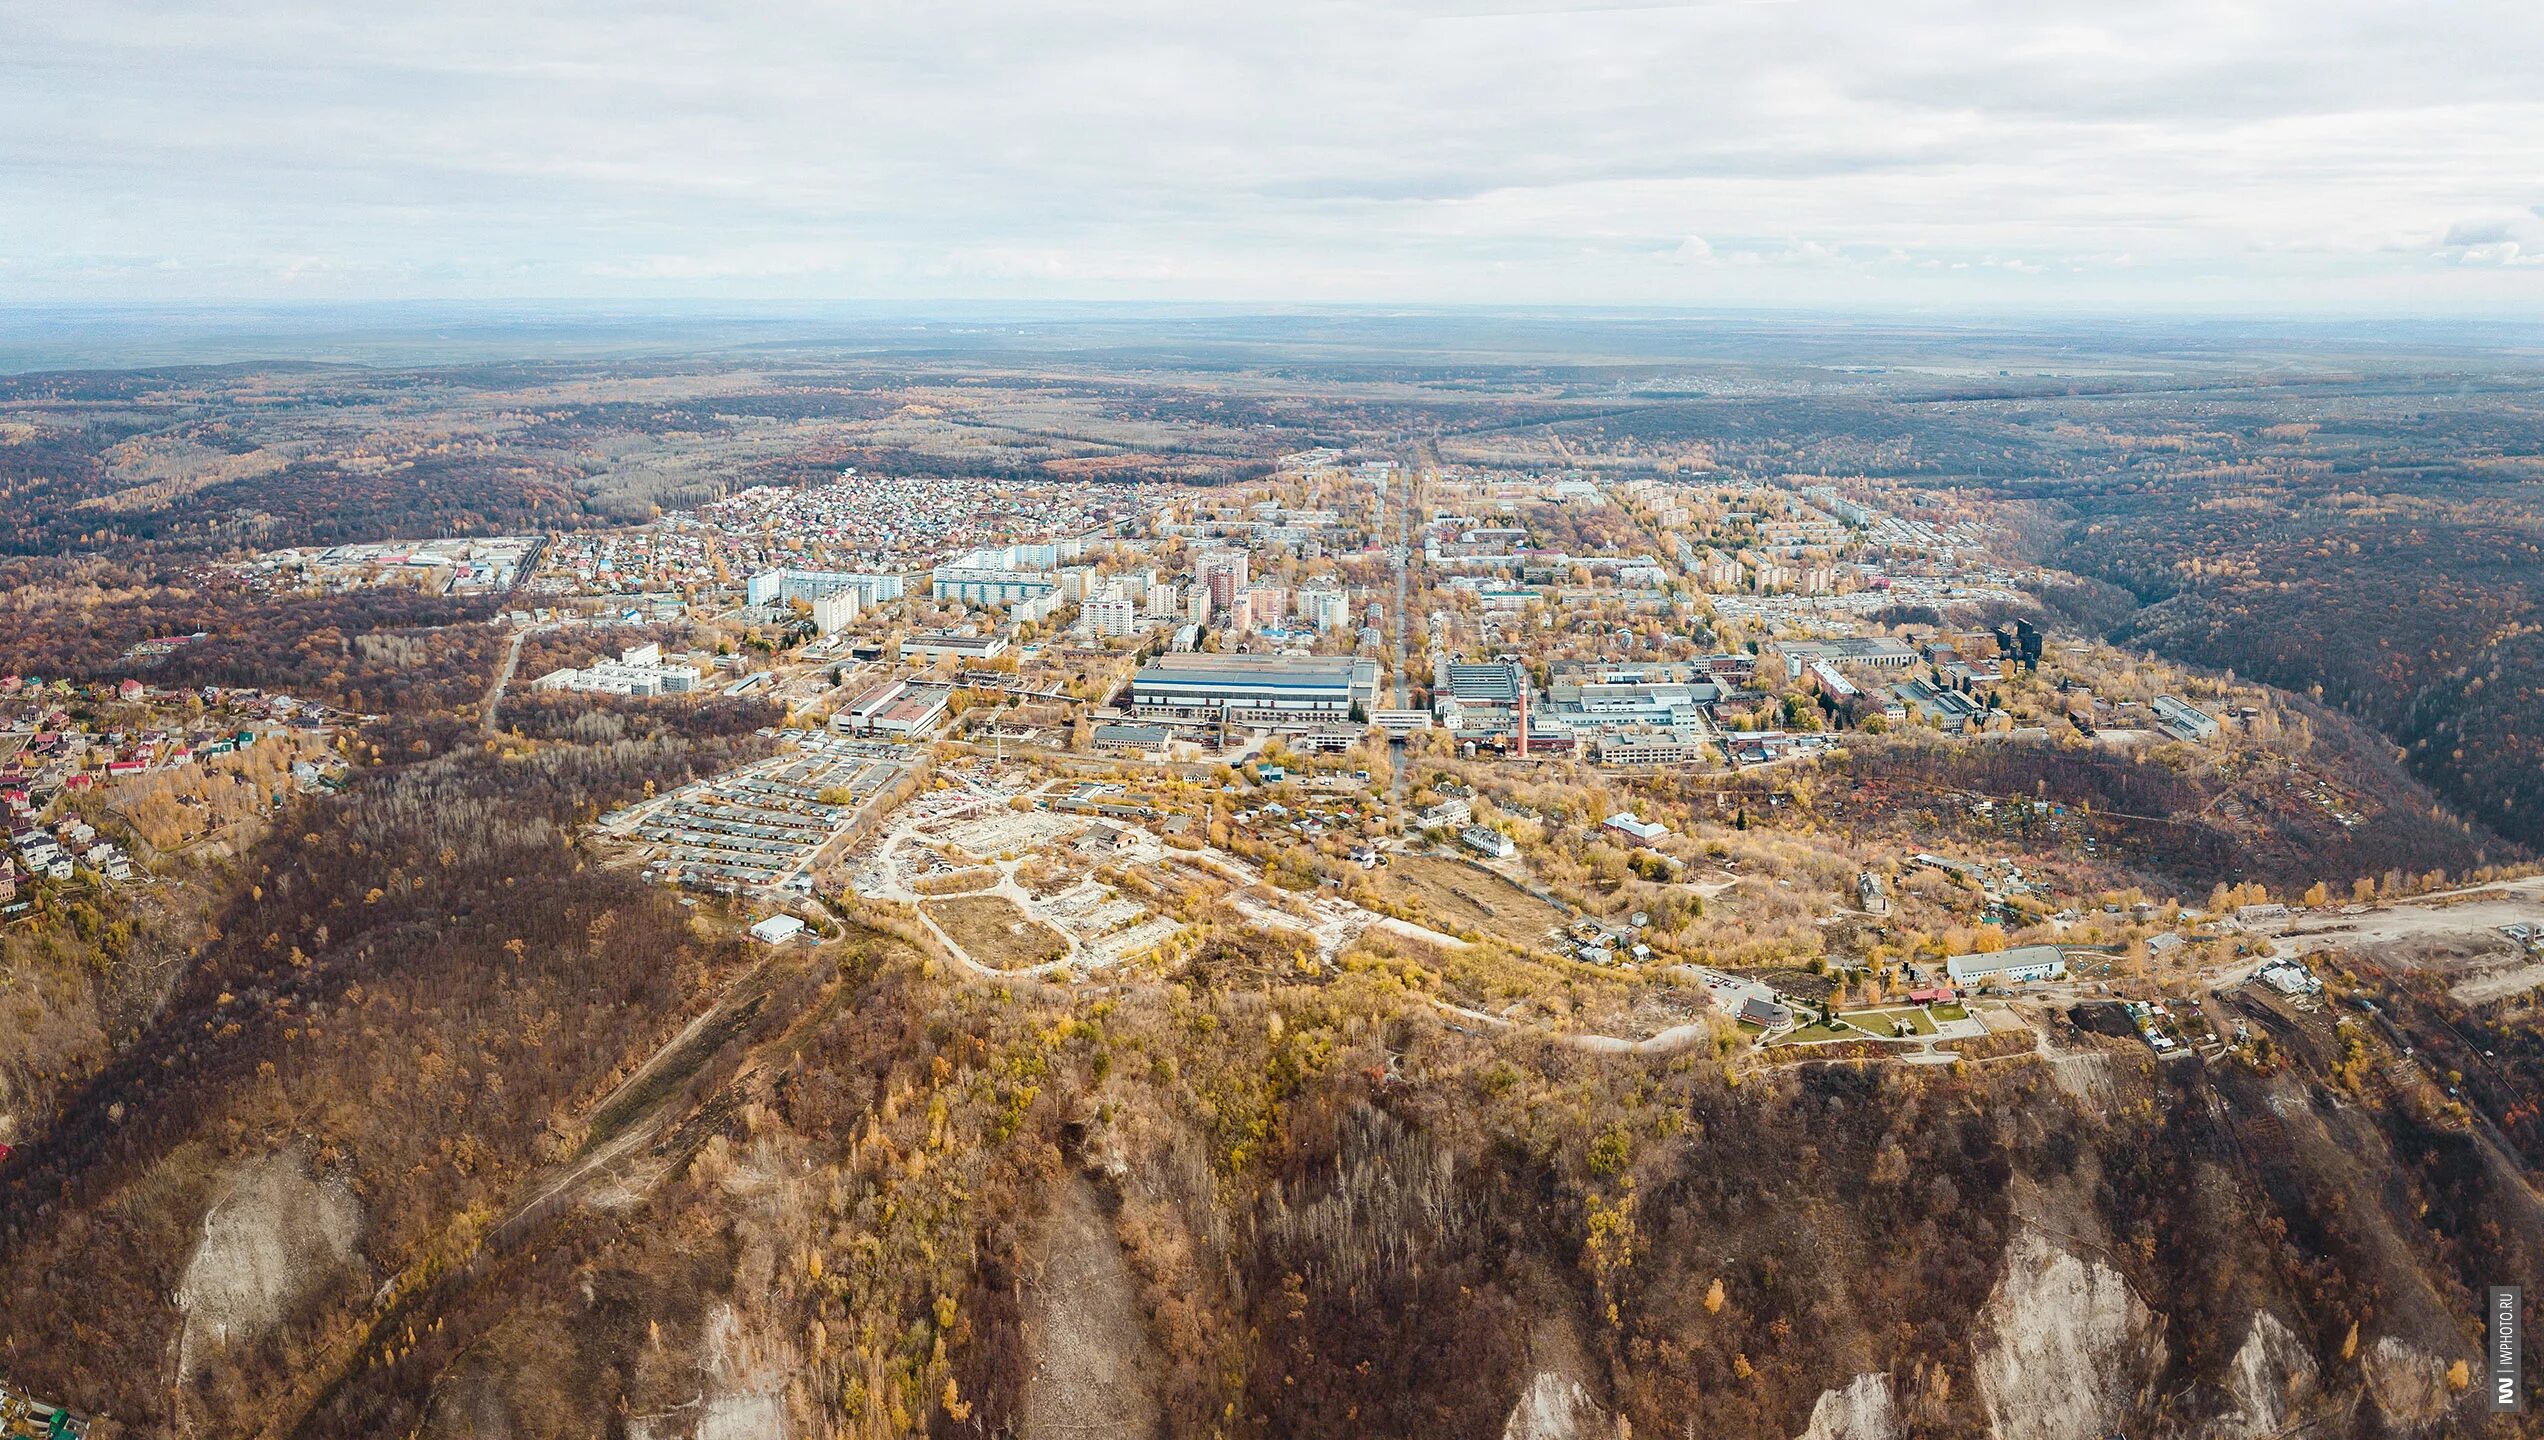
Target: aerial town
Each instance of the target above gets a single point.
(1535, 712)
(1390, 720)
(855, 901)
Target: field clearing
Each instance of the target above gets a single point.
(1878, 1022)
(1458, 897)
(993, 931)
(1539, 989)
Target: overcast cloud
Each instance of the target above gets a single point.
(2321, 155)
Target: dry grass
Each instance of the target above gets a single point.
(994, 932)
(955, 882)
(1463, 899)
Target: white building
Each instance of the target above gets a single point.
(837, 610)
(1647, 831)
(1109, 615)
(2024, 962)
(637, 671)
(777, 929)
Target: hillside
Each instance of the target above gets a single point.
(453, 1130)
(836, 1201)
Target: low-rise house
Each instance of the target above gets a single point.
(1761, 1011)
(777, 929)
(1445, 815)
(1644, 830)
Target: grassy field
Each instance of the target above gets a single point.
(1865, 1024)
(994, 932)
(1877, 1022)
(1455, 896)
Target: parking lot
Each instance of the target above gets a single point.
(762, 825)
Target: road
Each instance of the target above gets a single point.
(503, 676)
(1406, 543)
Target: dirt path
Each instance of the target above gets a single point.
(634, 1113)
(503, 677)
(1667, 1042)
(1092, 1371)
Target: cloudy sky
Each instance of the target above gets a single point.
(2286, 155)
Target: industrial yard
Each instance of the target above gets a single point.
(766, 824)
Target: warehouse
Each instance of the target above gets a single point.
(2024, 962)
(1266, 689)
(895, 709)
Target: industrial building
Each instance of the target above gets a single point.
(1255, 689)
(1597, 706)
(2184, 721)
(777, 929)
(1950, 711)
(1681, 745)
(952, 645)
(896, 710)
(1486, 701)
(1871, 650)
(637, 671)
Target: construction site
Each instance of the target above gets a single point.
(1011, 881)
(23, 1417)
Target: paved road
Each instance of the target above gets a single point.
(1413, 466)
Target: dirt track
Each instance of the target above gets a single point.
(1093, 1371)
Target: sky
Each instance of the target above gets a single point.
(2284, 156)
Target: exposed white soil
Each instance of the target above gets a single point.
(1862, 1409)
(2067, 1349)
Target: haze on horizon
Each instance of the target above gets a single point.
(2336, 158)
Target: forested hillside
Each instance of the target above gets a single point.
(2415, 608)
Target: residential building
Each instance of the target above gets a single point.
(1000, 575)
(1110, 614)
(837, 610)
(1221, 576)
